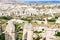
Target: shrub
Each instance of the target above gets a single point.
(6, 17)
(56, 17)
(27, 19)
(38, 32)
(51, 20)
(41, 19)
(57, 34)
(20, 35)
(2, 37)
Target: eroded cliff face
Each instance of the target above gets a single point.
(10, 31)
(27, 9)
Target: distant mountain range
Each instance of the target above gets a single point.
(43, 2)
(33, 2)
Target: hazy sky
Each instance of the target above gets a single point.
(38, 0)
(29, 0)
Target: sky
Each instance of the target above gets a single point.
(38, 0)
(32, 0)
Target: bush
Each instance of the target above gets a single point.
(27, 19)
(51, 20)
(20, 35)
(38, 32)
(56, 17)
(6, 17)
(57, 34)
(38, 38)
(2, 37)
(41, 19)
(35, 31)
(21, 29)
